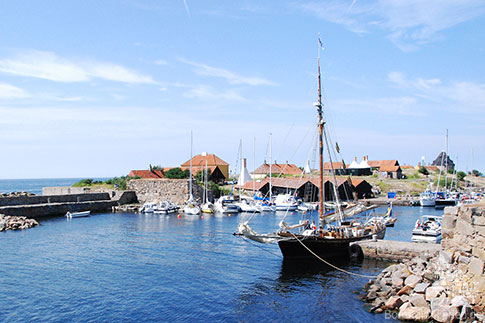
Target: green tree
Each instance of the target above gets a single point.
(461, 175)
(476, 173)
(423, 171)
(177, 173)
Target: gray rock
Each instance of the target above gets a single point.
(412, 281)
(418, 300)
(459, 301)
(397, 282)
(420, 314)
(439, 301)
(444, 313)
(446, 257)
(463, 259)
(433, 292)
(421, 288)
(371, 295)
(476, 266)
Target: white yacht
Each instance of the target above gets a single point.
(166, 207)
(226, 204)
(248, 206)
(286, 202)
(427, 198)
(427, 229)
(149, 207)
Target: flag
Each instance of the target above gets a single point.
(343, 164)
(337, 147)
(320, 42)
(389, 210)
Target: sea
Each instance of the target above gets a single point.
(124, 267)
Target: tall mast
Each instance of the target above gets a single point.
(446, 162)
(254, 166)
(320, 133)
(270, 162)
(190, 177)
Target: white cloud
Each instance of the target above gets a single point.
(461, 96)
(208, 93)
(8, 91)
(49, 66)
(408, 23)
(232, 78)
(161, 62)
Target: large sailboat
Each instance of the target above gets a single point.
(322, 240)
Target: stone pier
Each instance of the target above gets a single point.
(397, 250)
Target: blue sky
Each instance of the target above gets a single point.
(97, 88)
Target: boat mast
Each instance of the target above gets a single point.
(190, 177)
(446, 164)
(270, 162)
(320, 134)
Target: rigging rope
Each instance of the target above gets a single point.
(326, 262)
(248, 241)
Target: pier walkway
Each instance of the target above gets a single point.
(397, 250)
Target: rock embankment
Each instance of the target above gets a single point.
(16, 222)
(414, 291)
(11, 194)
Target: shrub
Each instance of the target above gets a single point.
(177, 173)
(461, 175)
(423, 171)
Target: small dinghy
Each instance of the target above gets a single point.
(83, 214)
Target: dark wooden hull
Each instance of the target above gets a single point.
(441, 204)
(325, 248)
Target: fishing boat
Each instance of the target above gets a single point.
(388, 220)
(83, 214)
(427, 229)
(191, 207)
(427, 198)
(322, 240)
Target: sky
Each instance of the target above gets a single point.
(99, 88)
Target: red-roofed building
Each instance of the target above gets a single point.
(211, 159)
(390, 172)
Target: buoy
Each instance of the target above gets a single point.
(201, 216)
(178, 216)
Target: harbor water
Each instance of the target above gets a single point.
(131, 267)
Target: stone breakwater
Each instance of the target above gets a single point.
(173, 190)
(448, 287)
(16, 194)
(16, 223)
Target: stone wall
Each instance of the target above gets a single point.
(463, 242)
(37, 199)
(156, 190)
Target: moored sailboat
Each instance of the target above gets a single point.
(324, 240)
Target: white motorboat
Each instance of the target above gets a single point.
(248, 207)
(83, 214)
(226, 204)
(192, 208)
(428, 197)
(166, 207)
(149, 207)
(305, 207)
(286, 202)
(427, 229)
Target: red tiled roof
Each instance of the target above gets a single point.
(199, 160)
(334, 165)
(407, 167)
(381, 163)
(196, 169)
(389, 168)
(146, 174)
(283, 169)
(432, 167)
